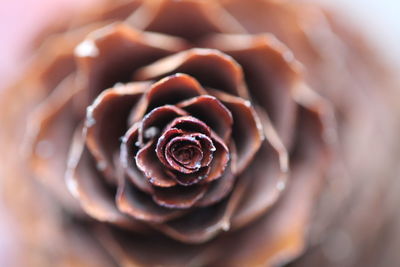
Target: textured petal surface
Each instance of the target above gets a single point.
(226, 74)
(106, 122)
(111, 54)
(271, 72)
(172, 17)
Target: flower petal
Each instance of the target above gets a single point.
(167, 91)
(111, 54)
(271, 73)
(129, 148)
(106, 121)
(181, 197)
(280, 235)
(141, 206)
(225, 75)
(85, 184)
(220, 159)
(203, 224)
(212, 112)
(218, 189)
(49, 126)
(172, 17)
(268, 174)
(155, 121)
(247, 129)
(148, 162)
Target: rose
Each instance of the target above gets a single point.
(188, 132)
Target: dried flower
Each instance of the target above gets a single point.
(186, 130)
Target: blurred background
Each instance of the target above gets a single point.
(22, 20)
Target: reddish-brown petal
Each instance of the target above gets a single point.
(225, 75)
(247, 129)
(188, 19)
(167, 91)
(218, 189)
(190, 124)
(155, 121)
(131, 249)
(111, 54)
(49, 131)
(162, 142)
(212, 112)
(280, 235)
(203, 224)
(220, 159)
(268, 174)
(271, 72)
(129, 148)
(141, 206)
(148, 162)
(181, 161)
(106, 121)
(187, 179)
(86, 184)
(181, 197)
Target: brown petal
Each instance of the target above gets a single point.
(268, 174)
(111, 54)
(168, 91)
(190, 124)
(155, 121)
(218, 189)
(86, 184)
(131, 249)
(280, 235)
(49, 128)
(187, 19)
(148, 162)
(106, 121)
(212, 112)
(181, 197)
(220, 159)
(203, 224)
(187, 179)
(247, 129)
(141, 206)
(271, 72)
(225, 75)
(129, 148)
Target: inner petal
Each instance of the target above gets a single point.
(184, 153)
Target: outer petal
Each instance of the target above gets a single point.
(167, 91)
(247, 129)
(268, 173)
(271, 73)
(129, 147)
(106, 121)
(203, 224)
(225, 75)
(148, 162)
(212, 112)
(140, 206)
(52, 123)
(189, 19)
(181, 197)
(111, 54)
(218, 189)
(279, 236)
(86, 184)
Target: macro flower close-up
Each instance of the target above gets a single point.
(201, 133)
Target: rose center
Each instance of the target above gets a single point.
(189, 156)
